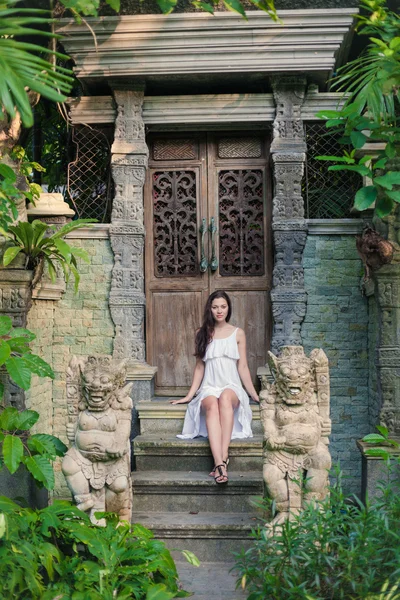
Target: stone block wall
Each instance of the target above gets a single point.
(337, 321)
(40, 396)
(76, 324)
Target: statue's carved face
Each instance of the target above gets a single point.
(293, 379)
(97, 388)
(100, 381)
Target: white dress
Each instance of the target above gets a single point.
(220, 373)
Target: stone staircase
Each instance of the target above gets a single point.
(174, 496)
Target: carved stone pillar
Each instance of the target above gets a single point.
(288, 223)
(387, 290)
(127, 300)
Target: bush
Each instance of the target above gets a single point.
(339, 550)
(56, 553)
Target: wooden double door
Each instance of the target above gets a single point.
(207, 218)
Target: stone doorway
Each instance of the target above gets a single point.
(207, 220)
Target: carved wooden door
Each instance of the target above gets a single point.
(207, 215)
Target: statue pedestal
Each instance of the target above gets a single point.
(376, 472)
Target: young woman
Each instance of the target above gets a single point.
(219, 406)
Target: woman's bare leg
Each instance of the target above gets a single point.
(210, 406)
(227, 403)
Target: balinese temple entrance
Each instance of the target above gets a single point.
(207, 219)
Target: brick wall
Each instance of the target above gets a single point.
(337, 321)
(77, 324)
(40, 396)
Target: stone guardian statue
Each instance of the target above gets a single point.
(296, 425)
(97, 466)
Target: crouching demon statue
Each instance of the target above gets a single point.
(97, 466)
(296, 424)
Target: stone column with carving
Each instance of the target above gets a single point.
(387, 291)
(289, 225)
(127, 300)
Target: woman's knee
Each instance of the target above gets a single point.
(210, 405)
(228, 399)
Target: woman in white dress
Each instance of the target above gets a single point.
(219, 406)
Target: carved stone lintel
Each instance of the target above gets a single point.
(296, 427)
(99, 425)
(289, 226)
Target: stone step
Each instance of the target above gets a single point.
(211, 536)
(159, 416)
(166, 452)
(195, 491)
(210, 581)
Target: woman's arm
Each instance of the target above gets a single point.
(197, 379)
(243, 367)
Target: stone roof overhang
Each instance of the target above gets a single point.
(139, 46)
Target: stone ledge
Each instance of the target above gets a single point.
(334, 226)
(149, 409)
(99, 231)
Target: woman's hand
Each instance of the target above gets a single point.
(256, 399)
(184, 400)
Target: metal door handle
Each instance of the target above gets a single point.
(203, 259)
(213, 230)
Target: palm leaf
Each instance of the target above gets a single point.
(22, 65)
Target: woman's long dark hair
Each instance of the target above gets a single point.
(205, 333)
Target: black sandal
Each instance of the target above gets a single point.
(221, 474)
(212, 472)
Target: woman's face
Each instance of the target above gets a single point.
(219, 309)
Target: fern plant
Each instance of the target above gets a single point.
(43, 245)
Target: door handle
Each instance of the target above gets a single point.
(213, 230)
(203, 259)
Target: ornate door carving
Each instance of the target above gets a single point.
(207, 205)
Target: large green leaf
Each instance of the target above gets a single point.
(7, 173)
(40, 444)
(10, 254)
(374, 438)
(63, 249)
(44, 443)
(9, 418)
(19, 372)
(5, 324)
(21, 332)
(13, 451)
(26, 419)
(365, 197)
(5, 351)
(38, 366)
(358, 139)
(41, 469)
(388, 180)
(384, 206)
(394, 196)
(159, 592)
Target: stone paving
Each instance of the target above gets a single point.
(210, 581)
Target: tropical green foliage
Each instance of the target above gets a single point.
(22, 64)
(336, 551)
(41, 248)
(17, 445)
(383, 444)
(371, 111)
(57, 553)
